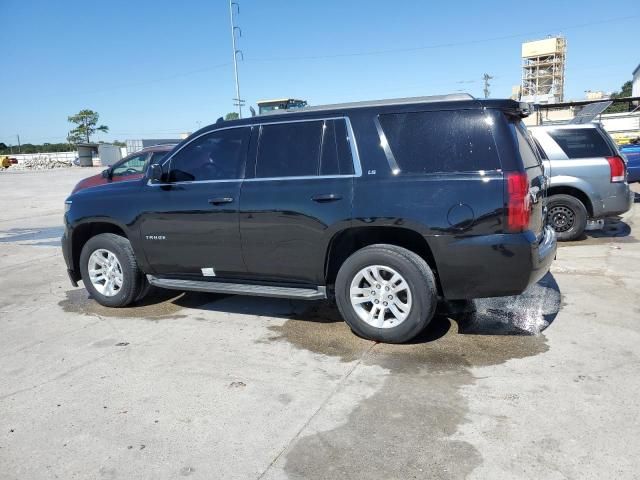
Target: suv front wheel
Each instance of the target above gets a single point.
(386, 293)
(110, 272)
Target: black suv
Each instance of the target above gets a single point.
(388, 205)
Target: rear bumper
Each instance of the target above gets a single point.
(492, 265)
(619, 201)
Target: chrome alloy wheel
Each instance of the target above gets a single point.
(380, 296)
(105, 272)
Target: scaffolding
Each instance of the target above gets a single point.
(543, 63)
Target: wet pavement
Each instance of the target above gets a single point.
(542, 385)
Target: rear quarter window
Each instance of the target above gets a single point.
(443, 141)
(581, 142)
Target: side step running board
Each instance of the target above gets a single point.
(318, 293)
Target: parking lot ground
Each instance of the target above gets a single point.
(545, 385)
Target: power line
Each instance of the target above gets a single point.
(440, 45)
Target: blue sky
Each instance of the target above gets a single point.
(153, 69)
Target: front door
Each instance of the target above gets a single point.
(190, 223)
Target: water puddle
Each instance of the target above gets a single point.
(158, 305)
(406, 428)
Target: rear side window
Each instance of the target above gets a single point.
(445, 141)
(289, 149)
(581, 142)
(336, 153)
(304, 149)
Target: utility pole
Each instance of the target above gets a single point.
(237, 101)
(19, 146)
(486, 77)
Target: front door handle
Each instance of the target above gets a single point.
(326, 197)
(220, 200)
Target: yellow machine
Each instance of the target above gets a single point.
(265, 106)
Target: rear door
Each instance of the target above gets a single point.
(299, 195)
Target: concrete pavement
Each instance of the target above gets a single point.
(206, 386)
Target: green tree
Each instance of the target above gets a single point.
(86, 122)
(625, 91)
(232, 116)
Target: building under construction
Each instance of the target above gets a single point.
(543, 64)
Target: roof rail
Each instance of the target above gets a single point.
(453, 97)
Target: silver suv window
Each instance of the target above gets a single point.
(581, 142)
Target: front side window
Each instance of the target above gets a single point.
(132, 166)
(441, 141)
(289, 149)
(214, 156)
(581, 142)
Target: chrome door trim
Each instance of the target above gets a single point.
(355, 155)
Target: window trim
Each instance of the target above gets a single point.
(384, 143)
(353, 146)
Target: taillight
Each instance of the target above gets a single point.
(518, 202)
(616, 165)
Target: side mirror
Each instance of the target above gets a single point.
(106, 173)
(155, 173)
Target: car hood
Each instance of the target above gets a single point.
(96, 180)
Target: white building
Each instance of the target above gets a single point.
(635, 90)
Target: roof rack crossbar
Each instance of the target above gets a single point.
(454, 97)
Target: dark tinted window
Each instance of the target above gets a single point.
(526, 147)
(336, 154)
(581, 142)
(447, 141)
(289, 149)
(214, 156)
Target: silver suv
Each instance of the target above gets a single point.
(588, 177)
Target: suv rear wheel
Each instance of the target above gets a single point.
(386, 293)
(110, 272)
(567, 216)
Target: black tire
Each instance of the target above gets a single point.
(567, 216)
(134, 283)
(416, 273)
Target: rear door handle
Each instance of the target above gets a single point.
(326, 197)
(220, 200)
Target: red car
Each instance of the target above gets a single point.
(131, 167)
